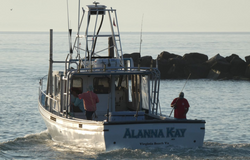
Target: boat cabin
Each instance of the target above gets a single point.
(120, 92)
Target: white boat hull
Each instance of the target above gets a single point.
(85, 132)
(130, 134)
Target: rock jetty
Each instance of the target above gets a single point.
(173, 66)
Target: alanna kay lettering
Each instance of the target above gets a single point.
(154, 133)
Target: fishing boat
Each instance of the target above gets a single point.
(128, 114)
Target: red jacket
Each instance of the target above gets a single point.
(181, 108)
(89, 99)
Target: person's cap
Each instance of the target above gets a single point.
(90, 88)
(181, 95)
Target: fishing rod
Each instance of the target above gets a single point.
(180, 92)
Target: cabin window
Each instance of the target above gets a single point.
(77, 84)
(101, 85)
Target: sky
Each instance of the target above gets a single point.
(154, 15)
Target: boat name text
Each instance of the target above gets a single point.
(154, 133)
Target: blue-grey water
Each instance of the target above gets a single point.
(225, 105)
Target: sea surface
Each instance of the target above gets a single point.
(225, 105)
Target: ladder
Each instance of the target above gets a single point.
(99, 12)
(155, 91)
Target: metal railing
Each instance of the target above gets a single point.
(43, 96)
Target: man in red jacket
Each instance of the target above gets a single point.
(181, 107)
(89, 99)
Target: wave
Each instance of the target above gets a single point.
(29, 138)
(210, 150)
(41, 146)
(24, 147)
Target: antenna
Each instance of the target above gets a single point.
(141, 34)
(78, 31)
(70, 32)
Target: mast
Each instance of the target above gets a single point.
(78, 31)
(50, 78)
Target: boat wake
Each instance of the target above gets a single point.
(210, 150)
(41, 146)
(23, 147)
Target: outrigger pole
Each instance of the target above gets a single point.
(49, 84)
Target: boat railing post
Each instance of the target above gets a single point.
(66, 64)
(61, 93)
(108, 108)
(139, 96)
(67, 94)
(104, 67)
(55, 90)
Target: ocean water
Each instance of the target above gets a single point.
(225, 105)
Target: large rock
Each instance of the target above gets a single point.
(215, 59)
(197, 71)
(163, 67)
(247, 73)
(177, 68)
(172, 68)
(237, 65)
(221, 66)
(247, 58)
(195, 58)
(146, 61)
(215, 75)
(166, 55)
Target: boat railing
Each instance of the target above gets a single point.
(51, 103)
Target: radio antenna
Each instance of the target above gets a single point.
(70, 32)
(78, 29)
(141, 34)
